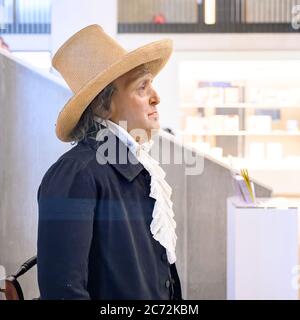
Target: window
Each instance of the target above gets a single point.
(208, 16)
(25, 16)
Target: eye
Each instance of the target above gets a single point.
(143, 86)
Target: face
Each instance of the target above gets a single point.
(135, 101)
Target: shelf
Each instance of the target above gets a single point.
(265, 165)
(241, 133)
(238, 106)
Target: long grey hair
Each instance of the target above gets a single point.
(99, 105)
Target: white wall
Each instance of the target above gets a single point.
(69, 16)
(219, 41)
(28, 42)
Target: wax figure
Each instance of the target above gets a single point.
(106, 226)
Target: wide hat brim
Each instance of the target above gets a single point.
(155, 55)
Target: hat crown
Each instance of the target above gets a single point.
(85, 55)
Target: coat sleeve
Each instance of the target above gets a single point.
(67, 198)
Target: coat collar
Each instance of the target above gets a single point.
(109, 148)
(120, 132)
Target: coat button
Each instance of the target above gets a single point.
(167, 283)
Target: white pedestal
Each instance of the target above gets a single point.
(262, 250)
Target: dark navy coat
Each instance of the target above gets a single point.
(94, 238)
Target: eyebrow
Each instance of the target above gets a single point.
(142, 79)
(138, 77)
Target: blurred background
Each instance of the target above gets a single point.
(231, 91)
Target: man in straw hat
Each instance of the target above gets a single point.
(106, 227)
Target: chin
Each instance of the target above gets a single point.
(155, 126)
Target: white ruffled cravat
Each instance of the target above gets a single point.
(163, 224)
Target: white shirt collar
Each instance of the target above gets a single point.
(124, 136)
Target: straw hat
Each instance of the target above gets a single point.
(90, 60)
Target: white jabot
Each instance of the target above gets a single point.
(163, 224)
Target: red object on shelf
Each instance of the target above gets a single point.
(159, 19)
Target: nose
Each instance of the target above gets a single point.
(155, 99)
